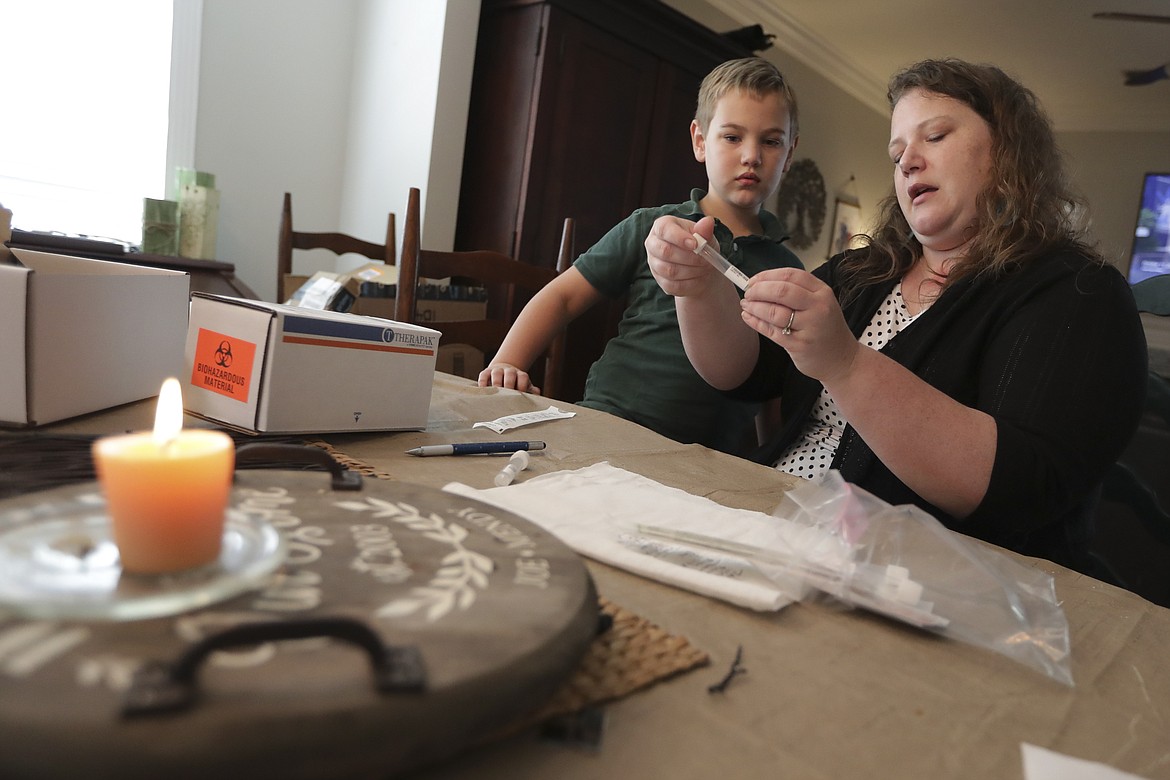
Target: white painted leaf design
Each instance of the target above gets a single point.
(399, 608)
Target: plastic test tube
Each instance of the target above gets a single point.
(721, 263)
(517, 463)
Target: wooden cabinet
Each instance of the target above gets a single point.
(579, 108)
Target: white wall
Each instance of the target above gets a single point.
(1108, 169)
(449, 130)
(845, 139)
(273, 106)
(340, 104)
(412, 79)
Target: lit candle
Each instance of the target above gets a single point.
(166, 490)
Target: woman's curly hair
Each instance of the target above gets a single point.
(1028, 208)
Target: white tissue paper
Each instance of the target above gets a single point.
(1043, 764)
(599, 510)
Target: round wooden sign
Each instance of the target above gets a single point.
(402, 625)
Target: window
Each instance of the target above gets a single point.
(100, 109)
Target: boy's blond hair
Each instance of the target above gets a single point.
(753, 75)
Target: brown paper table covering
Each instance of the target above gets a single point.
(828, 692)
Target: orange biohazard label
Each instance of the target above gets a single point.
(223, 364)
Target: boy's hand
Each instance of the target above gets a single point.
(509, 376)
(670, 251)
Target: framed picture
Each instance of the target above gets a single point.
(846, 225)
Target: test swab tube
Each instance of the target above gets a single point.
(517, 463)
(721, 263)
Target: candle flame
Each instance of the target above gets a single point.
(168, 415)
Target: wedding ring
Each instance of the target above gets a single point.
(787, 331)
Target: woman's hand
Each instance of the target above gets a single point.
(912, 427)
(509, 376)
(800, 313)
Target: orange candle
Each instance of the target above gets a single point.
(166, 491)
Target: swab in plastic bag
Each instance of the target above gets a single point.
(985, 597)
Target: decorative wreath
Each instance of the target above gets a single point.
(801, 203)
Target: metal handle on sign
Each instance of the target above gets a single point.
(163, 688)
(343, 478)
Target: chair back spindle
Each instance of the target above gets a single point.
(494, 270)
(338, 243)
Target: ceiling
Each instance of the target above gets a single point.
(1073, 62)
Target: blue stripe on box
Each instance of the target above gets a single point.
(339, 330)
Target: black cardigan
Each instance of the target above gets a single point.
(1054, 350)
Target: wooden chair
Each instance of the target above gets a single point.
(338, 243)
(494, 270)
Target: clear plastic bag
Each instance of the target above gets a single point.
(905, 563)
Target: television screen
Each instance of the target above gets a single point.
(1151, 237)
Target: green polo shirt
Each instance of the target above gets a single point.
(644, 374)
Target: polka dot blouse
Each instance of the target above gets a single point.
(811, 455)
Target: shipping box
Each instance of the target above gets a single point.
(370, 290)
(458, 359)
(272, 368)
(79, 335)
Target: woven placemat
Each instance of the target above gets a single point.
(353, 464)
(633, 654)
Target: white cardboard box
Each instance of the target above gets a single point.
(326, 290)
(80, 335)
(272, 368)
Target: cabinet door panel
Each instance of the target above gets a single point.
(589, 151)
(671, 169)
(597, 102)
(495, 161)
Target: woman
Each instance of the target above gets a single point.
(977, 358)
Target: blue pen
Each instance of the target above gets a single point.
(476, 448)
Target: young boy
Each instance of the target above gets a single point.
(744, 132)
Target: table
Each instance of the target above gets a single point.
(829, 693)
